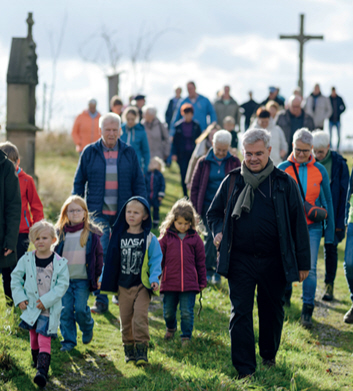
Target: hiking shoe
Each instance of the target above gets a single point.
(328, 296)
(216, 279)
(306, 316)
(141, 354)
(87, 338)
(269, 363)
(348, 318)
(99, 308)
(185, 342)
(130, 353)
(115, 300)
(169, 334)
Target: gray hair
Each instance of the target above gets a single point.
(222, 137)
(149, 109)
(303, 135)
(109, 117)
(254, 135)
(291, 99)
(229, 120)
(321, 139)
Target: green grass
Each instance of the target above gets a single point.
(320, 359)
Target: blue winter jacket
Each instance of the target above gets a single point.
(155, 185)
(339, 187)
(137, 138)
(89, 179)
(202, 108)
(151, 268)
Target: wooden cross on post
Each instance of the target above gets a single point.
(30, 23)
(302, 39)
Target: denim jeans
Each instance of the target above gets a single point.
(187, 304)
(338, 127)
(75, 309)
(210, 249)
(309, 284)
(348, 259)
(105, 223)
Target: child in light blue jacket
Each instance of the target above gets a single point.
(39, 294)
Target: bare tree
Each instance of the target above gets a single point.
(55, 53)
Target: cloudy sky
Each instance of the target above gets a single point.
(213, 43)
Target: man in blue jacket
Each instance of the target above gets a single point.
(338, 173)
(202, 109)
(108, 174)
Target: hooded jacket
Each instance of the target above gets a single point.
(137, 138)
(291, 224)
(94, 257)
(183, 264)
(23, 290)
(90, 176)
(10, 210)
(316, 186)
(85, 130)
(151, 266)
(201, 175)
(29, 198)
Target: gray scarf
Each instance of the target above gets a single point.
(252, 182)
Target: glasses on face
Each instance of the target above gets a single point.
(72, 211)
(304, 151)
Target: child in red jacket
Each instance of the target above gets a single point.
(32, 208)
(183, 267)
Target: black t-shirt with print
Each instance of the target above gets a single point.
(44, 262)
(131, 259)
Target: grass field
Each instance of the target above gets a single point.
(319, 359)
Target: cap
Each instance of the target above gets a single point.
(140, 97)
(272, 89)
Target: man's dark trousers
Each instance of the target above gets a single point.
(245, 273)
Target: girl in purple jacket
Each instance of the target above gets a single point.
(183, 267)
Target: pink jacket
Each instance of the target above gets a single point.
(183, 264)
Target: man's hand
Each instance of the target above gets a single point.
(303, 274)
(154, 286)
(174, 158)
(99, 284)
(23, 305)
(7, 252)
(40, 305)
(218, 239)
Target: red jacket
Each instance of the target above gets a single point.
(29, 198)
(183, 264)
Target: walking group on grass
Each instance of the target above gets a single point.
(262, 220)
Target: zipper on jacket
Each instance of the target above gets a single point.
(26, 218)
(182, 265)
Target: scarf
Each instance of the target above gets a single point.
(252, 182)
(74, 228)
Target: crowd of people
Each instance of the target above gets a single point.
(261, 218)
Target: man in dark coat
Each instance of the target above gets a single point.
(249, 109)
(294, 118)
(108, 174)
(10, 218)
(338, 107)
(265, 242)
(337, 170)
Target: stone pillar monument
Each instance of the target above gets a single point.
(22, 78)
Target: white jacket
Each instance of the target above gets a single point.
(323, 109)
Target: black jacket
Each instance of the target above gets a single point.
(10, 211)
(179, 140)
(341, 107)
(291, 222)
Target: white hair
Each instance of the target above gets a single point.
(321, 139)
(292, 97)
(149, 109)
(109, 117)
(303, 135)
(222, 137)
(254, 135)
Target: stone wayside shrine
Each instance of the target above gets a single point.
(22, 78)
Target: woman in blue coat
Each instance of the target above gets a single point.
(134, 134)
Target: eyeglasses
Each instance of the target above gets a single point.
(72, 211)
(304, 151)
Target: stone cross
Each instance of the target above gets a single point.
(302, 39)
(30, 23)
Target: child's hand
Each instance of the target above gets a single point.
(23, 305)
(40, 305)
(154, 286)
